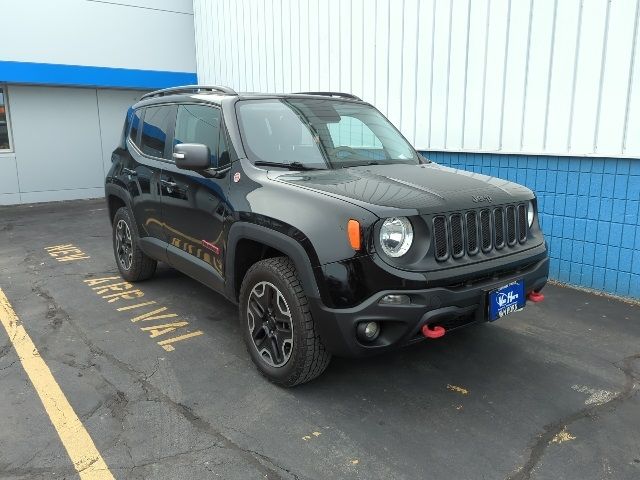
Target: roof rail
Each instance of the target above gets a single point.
(332, 94)
(189, 89)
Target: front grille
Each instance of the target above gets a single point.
(485, 230)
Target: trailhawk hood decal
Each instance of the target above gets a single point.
(426, 188)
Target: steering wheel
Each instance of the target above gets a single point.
(347, 151)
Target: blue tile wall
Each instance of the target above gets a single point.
(589, 211)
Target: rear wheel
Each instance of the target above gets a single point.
(277, 325)
(132, 263)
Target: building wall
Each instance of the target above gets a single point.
(536, 77)
(105, 54)
(128, 43)
(589, 211)
(62, 141)
(543, 92)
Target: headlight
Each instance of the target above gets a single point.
(396, 236)
(530, 213)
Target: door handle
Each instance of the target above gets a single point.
(128, 171)
(168, 183)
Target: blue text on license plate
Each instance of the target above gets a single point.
(506, 300)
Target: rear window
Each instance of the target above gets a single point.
(154, 130)
(135, 125)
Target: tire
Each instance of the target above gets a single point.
(283, 361)
(133, 264)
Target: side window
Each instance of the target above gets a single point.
(135, 125)
(5, 137)
(199, 124)
(154, 130)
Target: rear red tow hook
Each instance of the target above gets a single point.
(535, 297)
(436, 332)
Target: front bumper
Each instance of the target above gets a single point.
(450, 307)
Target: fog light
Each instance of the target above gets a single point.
(368, 331)
(395, 300)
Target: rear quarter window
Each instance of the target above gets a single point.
(157, 121)
(135, 122)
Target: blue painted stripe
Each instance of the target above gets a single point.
(85, 76)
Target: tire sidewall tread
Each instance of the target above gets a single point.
(309, 358)
(142, 266)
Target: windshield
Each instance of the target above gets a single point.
(319, 133)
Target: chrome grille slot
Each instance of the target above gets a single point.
(457, 239)
(498, 227)
(440, 238)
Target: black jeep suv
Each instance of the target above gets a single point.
(318, 218)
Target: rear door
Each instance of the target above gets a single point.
(194, 204)
(149, 131)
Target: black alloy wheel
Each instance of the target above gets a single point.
(270, 324)
(132, 262)
(278, 327)
(124, 247)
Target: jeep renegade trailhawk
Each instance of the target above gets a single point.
(318, 218)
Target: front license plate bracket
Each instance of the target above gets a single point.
(506, 299)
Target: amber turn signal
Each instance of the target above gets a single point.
(355, 237)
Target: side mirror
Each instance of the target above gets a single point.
(192, 156)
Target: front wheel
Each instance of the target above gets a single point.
(277, 325)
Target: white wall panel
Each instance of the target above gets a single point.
(424, 75)
(631, 141)
(513, 76)
(85, 121)
(568, 22)
(495, 74)
(43, 118)
(9, 184)
(81, 32)
(441, 69)
(583, 122)
(394, 85)
(616, 74)
(537, 82)
(382, 34)
(476, 60)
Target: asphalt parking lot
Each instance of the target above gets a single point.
(160, 379)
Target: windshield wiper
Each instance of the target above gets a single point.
(290, 165)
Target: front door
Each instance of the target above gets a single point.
(193, 204)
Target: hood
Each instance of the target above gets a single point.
(428, 188)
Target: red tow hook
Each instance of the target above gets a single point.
(436, 332)
(535, 297)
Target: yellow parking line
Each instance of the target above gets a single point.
(75, 438)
